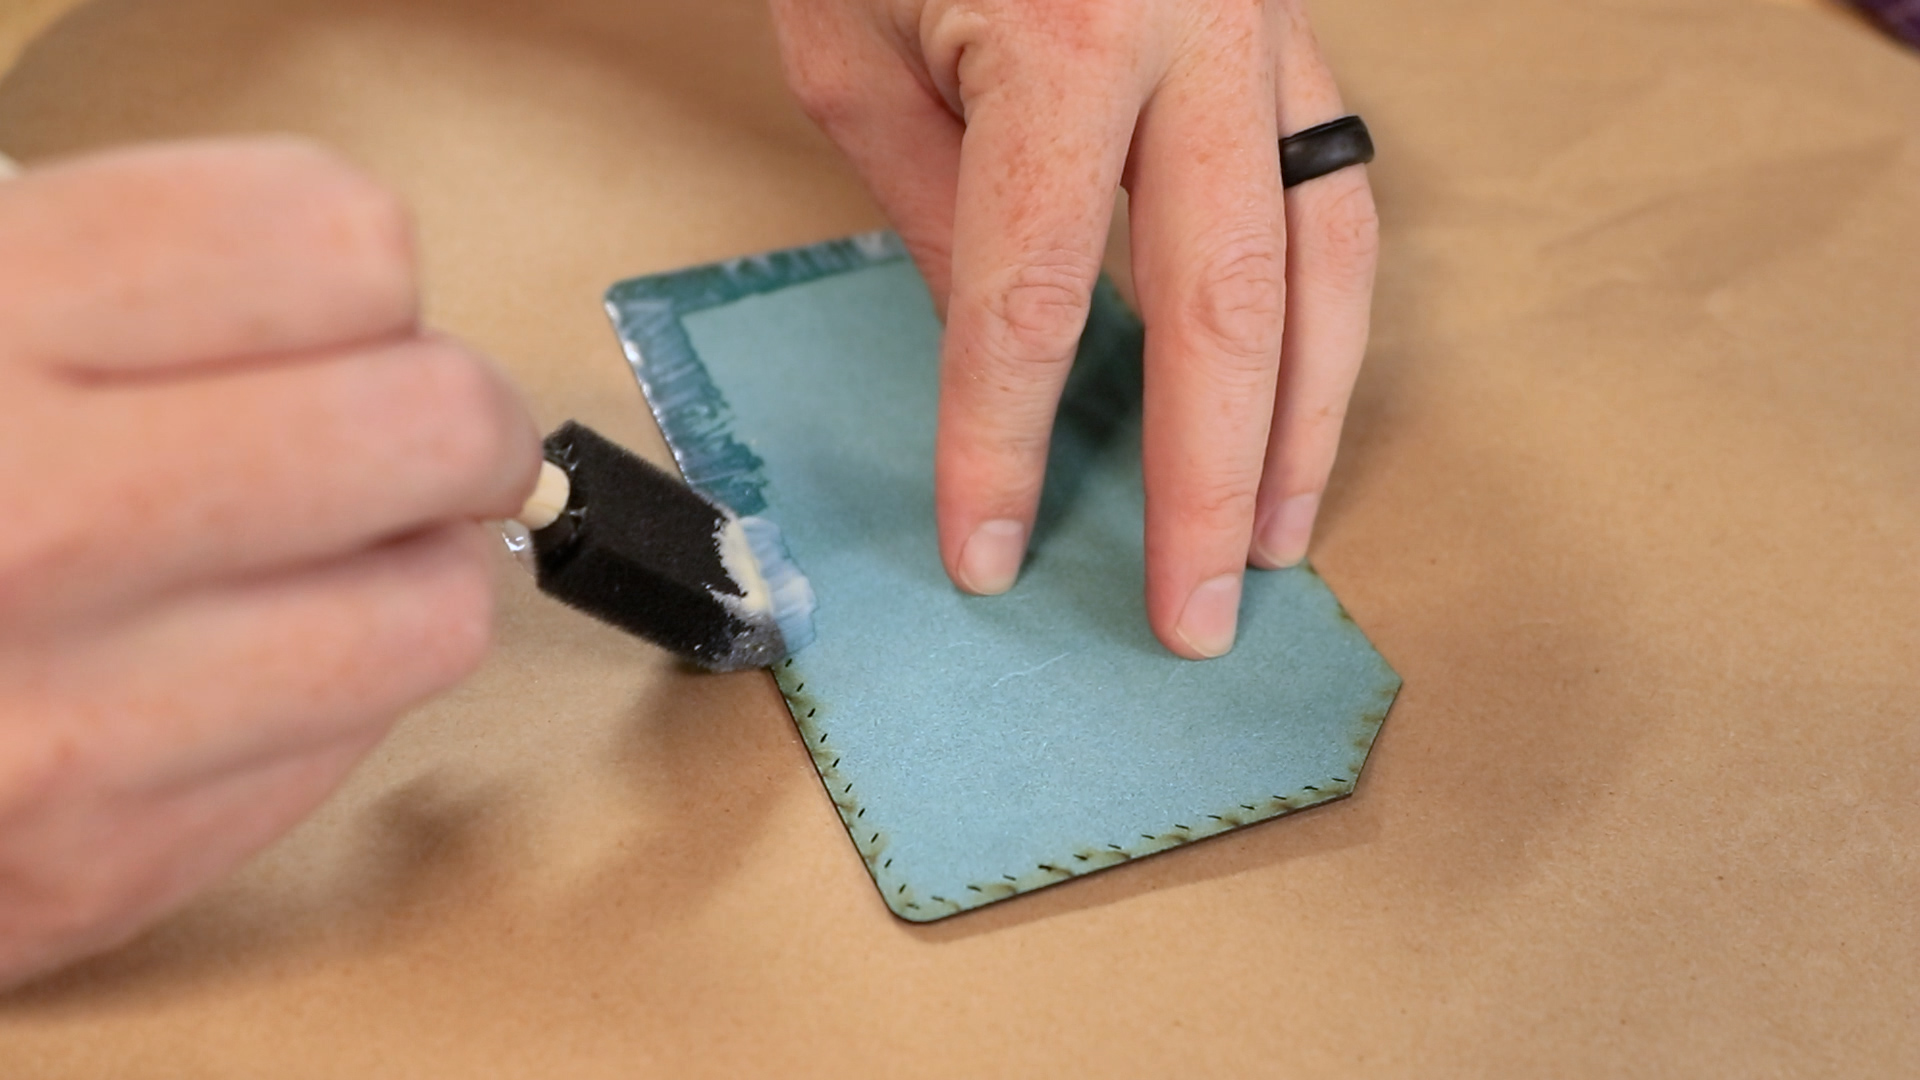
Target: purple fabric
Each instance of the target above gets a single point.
(1900, 17)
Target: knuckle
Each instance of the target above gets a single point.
(462, 604)
(33, 771)
(351, 216)
(1220, 505)
(1327, 419)
(1346, 228)
(1308, 446)
(478, 425)
(44, 546)
(1238, 300)
(25, 552)
(1000, 468)
(828, 103)
(1035, 315)
(1095, 31)
(377, 231)
(824, 84)
(1007, 44)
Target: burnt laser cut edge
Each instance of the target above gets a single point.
(871, 840)
(697, 423)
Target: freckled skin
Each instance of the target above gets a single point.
(994, 133)
(217, 414)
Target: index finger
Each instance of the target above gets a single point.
(1040, 163)
(164, 257)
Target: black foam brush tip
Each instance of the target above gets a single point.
(639, 549)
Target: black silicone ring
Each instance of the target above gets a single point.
(1324, 148)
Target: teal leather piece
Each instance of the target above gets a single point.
(981, 747)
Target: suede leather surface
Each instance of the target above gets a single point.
(981, 747)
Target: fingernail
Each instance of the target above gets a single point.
(1211, 616)
(991, 559)
(1284, 535)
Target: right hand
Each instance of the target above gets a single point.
(241, 490)
(995, 134)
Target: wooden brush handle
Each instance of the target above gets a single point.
(549, 498)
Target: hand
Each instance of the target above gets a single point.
(994, 133)
(241, 488)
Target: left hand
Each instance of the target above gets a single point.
(243, 487)
(995, 134)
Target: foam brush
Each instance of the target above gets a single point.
(613, 535)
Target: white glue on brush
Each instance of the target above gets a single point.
(631, 545)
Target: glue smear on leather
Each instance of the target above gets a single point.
(754, 552)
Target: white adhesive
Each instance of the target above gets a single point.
(736, 554)
(793, 601)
